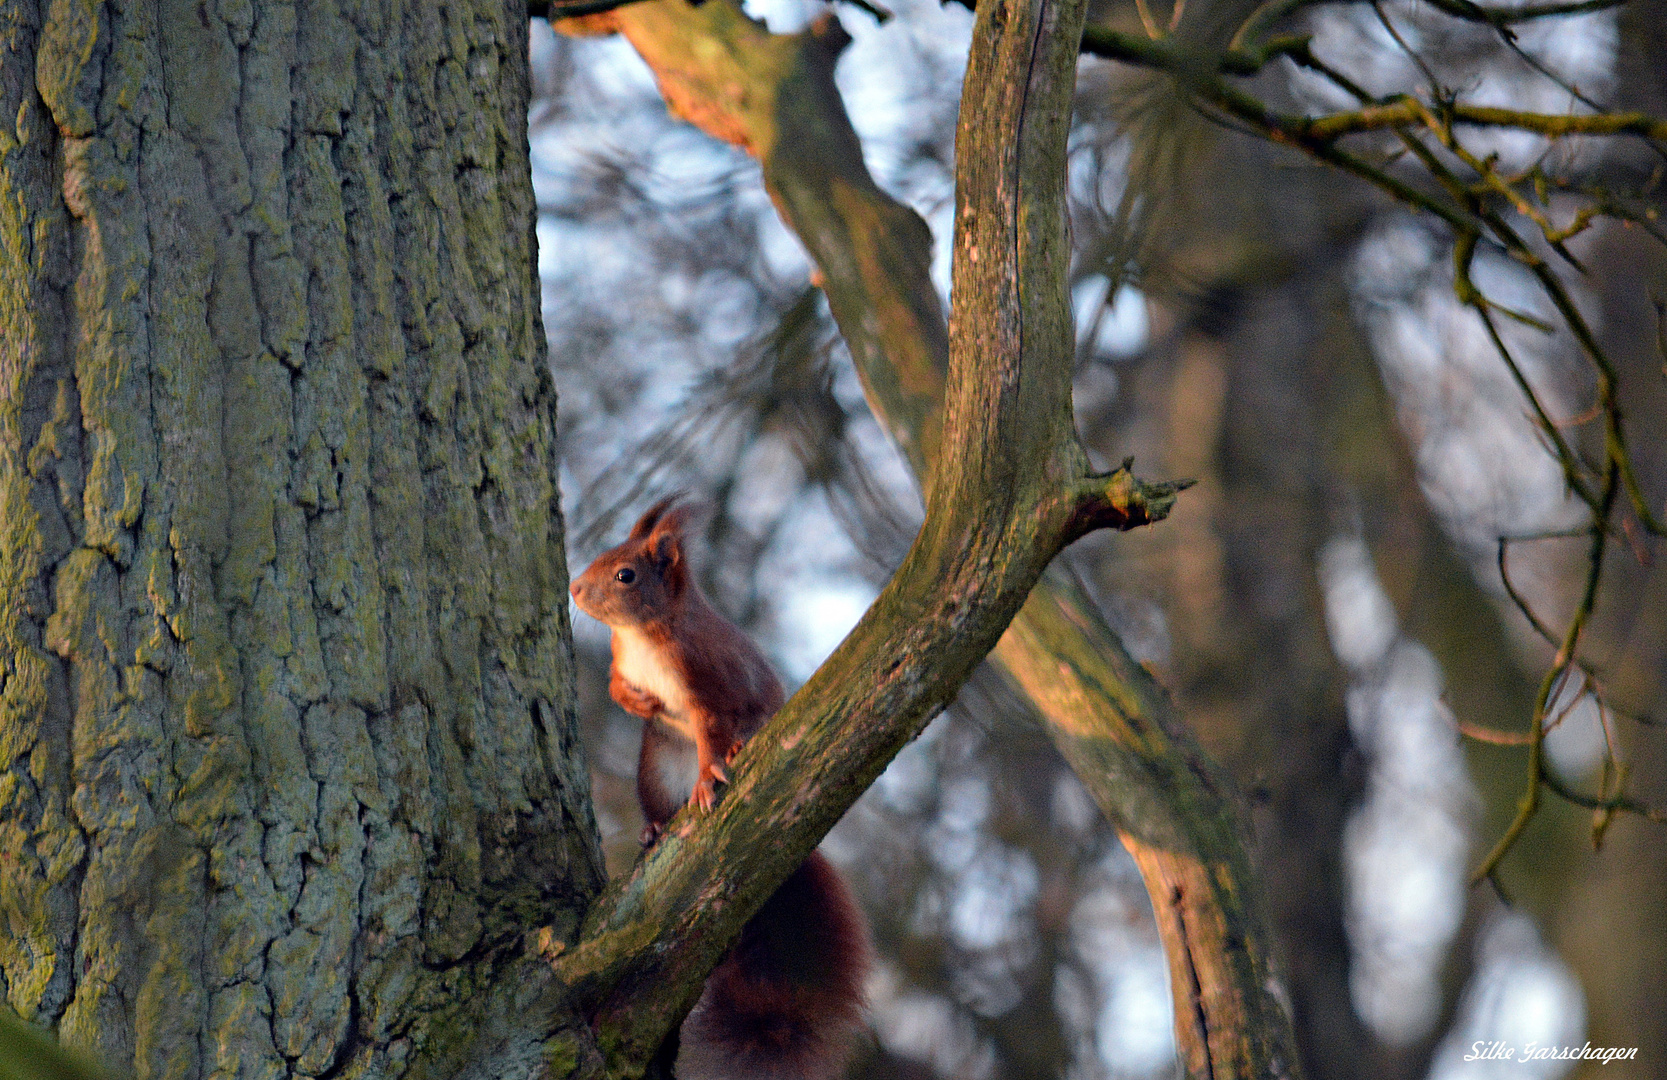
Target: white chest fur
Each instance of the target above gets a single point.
(646, 667)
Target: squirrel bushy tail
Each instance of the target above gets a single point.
(787, 1000)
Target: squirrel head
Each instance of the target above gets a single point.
(645, 579)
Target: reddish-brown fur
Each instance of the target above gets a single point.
(785, 1001)
(729, 685)
(784, 1004)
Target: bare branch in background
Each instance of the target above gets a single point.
(1466, 190)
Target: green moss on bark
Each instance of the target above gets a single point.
(282, 588)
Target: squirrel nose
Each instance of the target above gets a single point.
(575, 589)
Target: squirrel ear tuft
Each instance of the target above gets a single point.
(652, 516)
(665, 545)
(666, 548)
(675, 521)
(666, 537)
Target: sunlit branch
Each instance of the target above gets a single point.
(1492, 737)
(1406, 109)
(1146, 19)
(1518, 738)
(571, 9)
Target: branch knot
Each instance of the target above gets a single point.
(1120, 500)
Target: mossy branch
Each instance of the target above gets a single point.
(1111, 721)
(1407, 110)
(995, 519)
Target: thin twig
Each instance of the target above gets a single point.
(1403, 109)
(1518, 13)
(1471, 207)
(1537, 773)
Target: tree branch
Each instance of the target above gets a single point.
(1469, 204)
(1006, 492)
(1271, 12)
(1201, 73)
(571, 9)
(1500, 17)
(1111, 721)
(1407, 110)
(555, 10)
(1121, 501)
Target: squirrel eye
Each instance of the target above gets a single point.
(625, 575)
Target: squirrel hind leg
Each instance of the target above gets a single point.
(665, 765)
(787, 1002)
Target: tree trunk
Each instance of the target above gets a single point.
(290, 759)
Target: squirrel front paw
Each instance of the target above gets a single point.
(632, 699)
(705, 794)
(639, 702)
(650, 834)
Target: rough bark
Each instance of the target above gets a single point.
(774, 95)
(287, 753)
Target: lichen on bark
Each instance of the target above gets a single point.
(289, 759)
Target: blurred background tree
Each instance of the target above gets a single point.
(1327, 606)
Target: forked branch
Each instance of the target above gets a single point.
(995, 518)
(1110, 720)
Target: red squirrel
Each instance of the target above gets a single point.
(785, 1001)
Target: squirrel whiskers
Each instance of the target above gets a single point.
(783, 1004)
